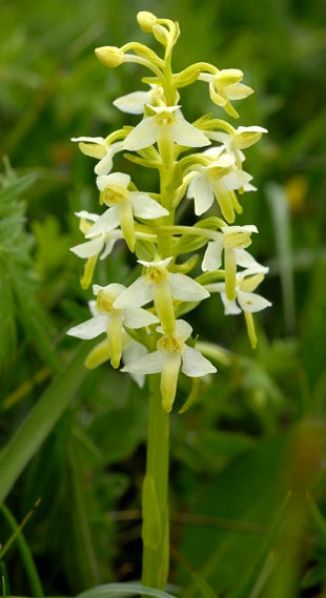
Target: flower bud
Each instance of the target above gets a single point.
(161, 34)
(110, 56)
(146, 20)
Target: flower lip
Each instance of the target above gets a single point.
(170, 343)
(115, 195)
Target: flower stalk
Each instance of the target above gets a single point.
(155, 509)
(199, 162)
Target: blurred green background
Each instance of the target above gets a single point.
(248, 500)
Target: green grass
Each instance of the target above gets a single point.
(248, 501)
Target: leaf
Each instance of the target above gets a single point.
(17, 285)
(246, 494)
(40, 421)
(25, 552)
(281, 216)
(108, 430)
(123, 589)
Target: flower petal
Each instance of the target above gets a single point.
(184, 133)
(215, 287)
(91, 146)
(139, 293)
(245, 259)
(213, 256)
(252, 302)
(152, 363)
(185, 288)
(115, 178)
(194, 364)
(108, 248)
(200, 190)
(105, 165)
(134, 351)
(183, 329)
(159, 263)
(230, 306)
(90, 329)
(146, 207)
(114, 288)
(134, 102)
(97, 140)
(93, 247)
(136, 317)
(238, 91)
(246, 136)
(250, 279)
(143, 135)
(87, 215)
(109, 220)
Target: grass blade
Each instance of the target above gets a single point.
(41, 420)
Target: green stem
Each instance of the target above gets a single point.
(155, 510)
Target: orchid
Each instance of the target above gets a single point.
(235, 140)
(225, 86)
(140, 323)
(96, 147)
(110, 320)
(218, 180)
(232, 241)
(103, 238)
(124, 206)
(245, 298)
(100, 245)
(161, 286)
(172, 355)
(167, 121)
(135, 102)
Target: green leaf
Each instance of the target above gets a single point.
(25, 552)
(281, 216)
(123, 589)
(41, 420)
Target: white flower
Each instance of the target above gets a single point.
(239, 139)
(161, 286)
(225, 86)
(246, 299)
(172, 355)
(166, 119)
(131, 351)
(232, 240)
(135, 102)
(102, 241)
(96, 147)
(219, 179)
(124, 206)
(110, 320)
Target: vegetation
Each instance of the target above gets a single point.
(247, 497)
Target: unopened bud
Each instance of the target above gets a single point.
(161, 35)
(146, 20)
(110, 56)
